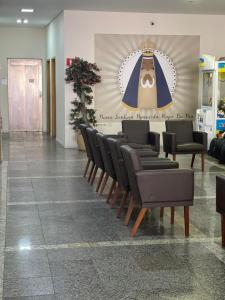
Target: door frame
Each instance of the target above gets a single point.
(48, 94)
(53, 97)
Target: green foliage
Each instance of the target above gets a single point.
(84, 76)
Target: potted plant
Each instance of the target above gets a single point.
(83, 75)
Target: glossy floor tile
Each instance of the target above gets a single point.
(60, 240)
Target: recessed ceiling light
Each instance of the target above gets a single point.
(25, 21)
(19, 21)
(27, 10)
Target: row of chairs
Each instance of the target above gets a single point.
(135, 169)
(179, 138)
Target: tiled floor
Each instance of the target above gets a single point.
(59, 240)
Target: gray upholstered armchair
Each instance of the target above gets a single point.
(180, 138)
(220, 203)
(137, 133)
(157, 188)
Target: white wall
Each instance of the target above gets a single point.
(18, 42)
(55, 49)
(80, 28)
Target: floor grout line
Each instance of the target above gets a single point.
(56, 202)
(209, 173)
(78, 201)
(204, 197)
(46, 177)
(101, 244)
(50, 160)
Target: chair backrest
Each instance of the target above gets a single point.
(106, 155)
(118, 163)
(182, 128)
(83, 128)
(133, 165)
(136, 131)
(91, 134)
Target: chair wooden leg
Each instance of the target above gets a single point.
(113, 185)
(129, 211)
(203, 161)
(104, 184)
(186, 220)
(161, 212)
(122, 204)
(174, 157)
(91, 172)
(192, 160)
(86, 168)
(223, 229)
(138, 221)
(94, 174)
(100, 181)
(115, 196)
(172, 215)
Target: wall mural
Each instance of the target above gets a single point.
(146, 77)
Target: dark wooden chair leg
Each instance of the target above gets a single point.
(223, 229)
(203, 161)
(91, 172)
(186, 220)
(174, 157)
(86, 168)
(138, 221)
(104, 184)
(113, 185)
(94, 174)
(172, 215)
(115, 196)
(122, 204)
(192, 160)
(100, 181)
(161, 212)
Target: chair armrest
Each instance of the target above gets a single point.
(114, 136)
(122, 134)
(169, 142)
(159, 165)
(201, 138)
(166, 186)
(154, 139)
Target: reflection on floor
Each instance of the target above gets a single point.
(59, 240)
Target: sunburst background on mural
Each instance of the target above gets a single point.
(112, 50)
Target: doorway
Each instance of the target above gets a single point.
(25, 94)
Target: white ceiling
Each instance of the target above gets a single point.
(46, 10)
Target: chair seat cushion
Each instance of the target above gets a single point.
(190, 147)
(147, 153)
(140, 146)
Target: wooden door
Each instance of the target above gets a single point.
(25, 94)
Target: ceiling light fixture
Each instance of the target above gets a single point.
(27, 10)
(20, 21)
